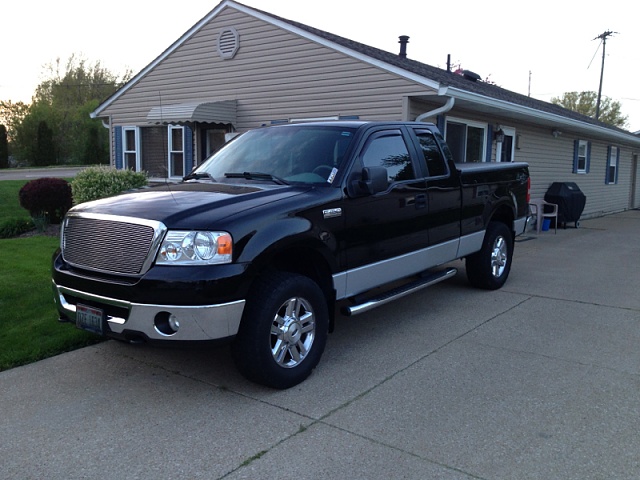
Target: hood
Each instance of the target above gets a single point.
(178, 205)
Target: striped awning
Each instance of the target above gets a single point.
(223, 111)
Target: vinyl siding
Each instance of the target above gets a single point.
(274, 75)
(278, 75)
(551, 160)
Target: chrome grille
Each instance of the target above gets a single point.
(110, 244)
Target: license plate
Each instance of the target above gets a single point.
(89, 318)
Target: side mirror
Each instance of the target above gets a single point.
(374, 180)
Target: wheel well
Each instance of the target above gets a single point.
(310, 263)
(503, 214)
(307, 262)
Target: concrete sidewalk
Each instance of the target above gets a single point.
(539, 380)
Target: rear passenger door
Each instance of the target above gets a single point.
(443, 193)
(384, 226)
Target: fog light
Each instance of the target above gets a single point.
(166, 323)
(174, 323)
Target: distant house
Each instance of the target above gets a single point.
(240, 68)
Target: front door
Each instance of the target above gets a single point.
(211, 139)
(382, 228)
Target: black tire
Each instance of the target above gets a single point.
(283, 331)
(489, 268)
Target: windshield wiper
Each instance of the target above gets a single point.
(198, 176)
(257, 176)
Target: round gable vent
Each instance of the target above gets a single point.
(228, 42)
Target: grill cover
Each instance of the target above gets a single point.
(107, 246)
(569, 198)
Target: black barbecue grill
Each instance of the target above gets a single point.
(570, 201)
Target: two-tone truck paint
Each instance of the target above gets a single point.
(259, 244)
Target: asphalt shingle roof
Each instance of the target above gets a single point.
(446, 78)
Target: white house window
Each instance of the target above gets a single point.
(130, 148)
(176, 151)
(612, 165)
(581, 154)
(467, 140)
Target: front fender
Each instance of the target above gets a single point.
(288, 233)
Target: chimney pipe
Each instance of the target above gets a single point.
(404, 39)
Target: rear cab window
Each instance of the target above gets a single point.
(435, 161)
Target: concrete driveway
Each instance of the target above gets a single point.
(539, 380)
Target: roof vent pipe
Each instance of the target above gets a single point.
(404, 39)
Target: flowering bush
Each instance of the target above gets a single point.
(97, 182)
(47, 199)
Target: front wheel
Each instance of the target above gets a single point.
(490, 267)
(283, 331)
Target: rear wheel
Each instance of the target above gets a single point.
(283, 331)
(489, 268)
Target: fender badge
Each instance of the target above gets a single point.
(332, 212)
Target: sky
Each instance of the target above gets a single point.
(542, 48)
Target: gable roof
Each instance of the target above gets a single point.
(474, 95)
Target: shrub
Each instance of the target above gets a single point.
(15, 226)
(46, 198)
(97, 182)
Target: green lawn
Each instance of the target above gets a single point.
(29, 329)
(9, 202)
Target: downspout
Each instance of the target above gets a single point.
(433, 113)
(106, 123)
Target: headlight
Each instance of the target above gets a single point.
(195, 248)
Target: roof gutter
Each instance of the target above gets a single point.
(433, 113)
(534, 113)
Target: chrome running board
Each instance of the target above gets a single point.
(430, 278)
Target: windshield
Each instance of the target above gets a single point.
(293, 154)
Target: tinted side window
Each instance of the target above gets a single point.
(436, 164)
(390, 152)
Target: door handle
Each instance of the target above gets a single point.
(419, 201)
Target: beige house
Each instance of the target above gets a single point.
(240, 68)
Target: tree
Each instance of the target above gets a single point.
(585, 103)
(11, 114)
(63, 101)
(44, 148)
(4, 147)
(25, 142)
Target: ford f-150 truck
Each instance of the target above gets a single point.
(283, 226)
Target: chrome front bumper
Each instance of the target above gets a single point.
(197, 323)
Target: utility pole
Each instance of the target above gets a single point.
(603, 37)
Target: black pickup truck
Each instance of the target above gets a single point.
(278, 230)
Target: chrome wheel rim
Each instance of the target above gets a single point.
(499, 257)
(292, 332)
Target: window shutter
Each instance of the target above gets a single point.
(440, 123)
(588, 161)
(576, 147)
(617, 165)
(490, 143)
(606, 170)
(188, 149)
(117, 131)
